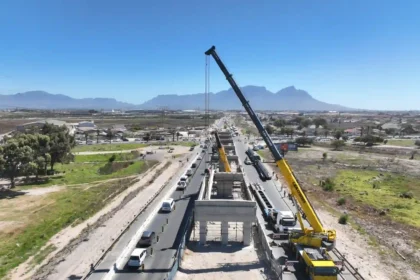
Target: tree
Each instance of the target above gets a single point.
(319, 122)
(345, 138)
(177, 136)
(417, 143)
(369, 139)
(15, 155)
(109, 135)
(302, 141)
(97, 136)
(86, 136)
(338, 133)
(316, 132)
(279, 123)
(172, 132)
(61, 143)
(337, 144)
(306, 123)
(269, 129)
(326, 132)
(391, 131)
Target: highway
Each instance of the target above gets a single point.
(160, 262)
(269, 186)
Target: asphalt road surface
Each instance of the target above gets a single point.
(161, 261)
(252, 174)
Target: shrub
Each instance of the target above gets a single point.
(328, 185)
(407, 195)
(337, 144)
(343, 219)
(112, 158)
(324, 156)
(341, 201)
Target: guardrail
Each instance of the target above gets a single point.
(350, 268)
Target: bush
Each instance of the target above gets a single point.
(328, 185)
(343, 219)
(407, 195)
(337, 144)
(112, 158)
(324, 156)
(341, 201)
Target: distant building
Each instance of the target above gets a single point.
(38, 125)
(87, 124)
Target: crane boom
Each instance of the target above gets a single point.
(222, 153)
(282, 164)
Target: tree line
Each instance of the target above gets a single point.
(32, 152)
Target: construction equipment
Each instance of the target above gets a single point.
(311, 243)
(222, 153)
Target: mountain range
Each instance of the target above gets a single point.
(260, 98)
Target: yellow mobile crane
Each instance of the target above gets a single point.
(311, 243)
(222, 153)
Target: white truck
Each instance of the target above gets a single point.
(282, 222)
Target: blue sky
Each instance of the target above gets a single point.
(363, 54)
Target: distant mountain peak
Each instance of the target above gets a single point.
(288, 98)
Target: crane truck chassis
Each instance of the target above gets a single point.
(310, 245)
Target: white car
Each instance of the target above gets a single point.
(199, 158)
(137, 257)
(168, 205)
(182, 185)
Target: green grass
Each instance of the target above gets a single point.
(125, 146)
(80, 173)
(108, 147)
(64, 208)
(105, 157)
(402, 142)
(386, 193)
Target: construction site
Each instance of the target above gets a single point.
(224, 206)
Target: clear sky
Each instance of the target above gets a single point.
(357, 53)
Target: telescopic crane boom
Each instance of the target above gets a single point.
(316, 236)
(222, 153)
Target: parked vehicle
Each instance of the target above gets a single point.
(194, 165)
(168, 205)
(189, 172)
(146, 239)
(137, 257)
